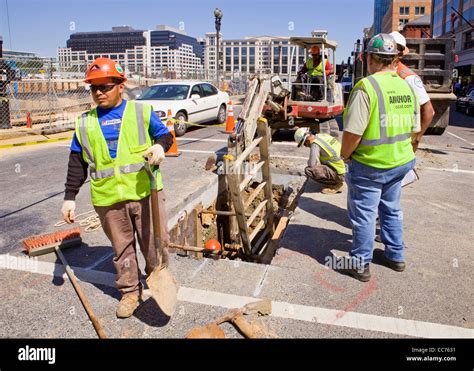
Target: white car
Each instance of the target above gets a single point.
(196, 102)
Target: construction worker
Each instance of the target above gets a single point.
(380, 121)
(315, 71)
(325, 165)
(112, 140)
(426, 108)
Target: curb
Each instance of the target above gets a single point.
(34, 142)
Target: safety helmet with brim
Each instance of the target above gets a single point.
(382, 44)
(301, 134)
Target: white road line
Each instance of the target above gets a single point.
(259, 287)
(449, 170)
(198, 269)
(100, 261)
(362, 321)
(200, 151)
(464, 140)
(224, 152)
(184, 139)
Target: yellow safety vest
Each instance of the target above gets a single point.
(386, 142)
(122, 178)
(332, 148)
(311, 71)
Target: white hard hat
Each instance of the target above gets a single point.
(401, 41)
(300, 135)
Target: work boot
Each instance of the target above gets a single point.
(333, 189)
(128, 304)
(362, 275)
(396, 266)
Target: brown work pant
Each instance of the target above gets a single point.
(324, 174)
(124, 221)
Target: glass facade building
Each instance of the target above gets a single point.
(380, 8)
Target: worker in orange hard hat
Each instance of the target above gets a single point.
(120, 187)
(315, 71)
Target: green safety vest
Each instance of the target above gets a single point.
(311, 71)
(332, 148)
(123, 178)
(386, 142)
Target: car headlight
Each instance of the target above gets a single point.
(161, 114)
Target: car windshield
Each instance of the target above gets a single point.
(165, 92)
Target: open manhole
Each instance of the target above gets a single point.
(210, 221)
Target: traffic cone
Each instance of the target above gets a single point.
(173, 151)
(29, 121)
(230, 125)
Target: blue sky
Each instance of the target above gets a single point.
(42, 26)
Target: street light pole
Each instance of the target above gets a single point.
(218, 17)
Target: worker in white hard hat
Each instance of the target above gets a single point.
(426, 108)
(325, 165)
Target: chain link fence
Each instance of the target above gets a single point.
(39, 93)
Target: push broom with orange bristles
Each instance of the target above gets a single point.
(54, 242)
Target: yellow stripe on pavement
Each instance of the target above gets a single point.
(34, 142)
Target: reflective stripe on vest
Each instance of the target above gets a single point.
(107, 173)
(331, 147)
(403, 71)
(327, 147)
(122, 178)
(384, 138)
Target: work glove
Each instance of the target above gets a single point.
(155, 154)
(68, 211)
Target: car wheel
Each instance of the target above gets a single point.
(222, 114)
(180, 126)
(458, 109)
(469, 111)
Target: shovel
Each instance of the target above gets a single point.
(163, 286)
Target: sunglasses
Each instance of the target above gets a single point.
(103, 88)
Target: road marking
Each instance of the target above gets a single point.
(361, 321)
(198, 269)
(225, 141)
(100, 261)
(464, 140)
(259, 287)
(33, 142)
(449, 170)
(224, 152)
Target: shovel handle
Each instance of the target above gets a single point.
(155, 210)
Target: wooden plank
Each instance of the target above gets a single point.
(257, 211)
(254, 194)
(257, 244)
(243, 156)
(249, 177)
(264, 132)
(257, 229)
(236, 197)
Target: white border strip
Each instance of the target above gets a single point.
(464, 140)
(362, 321)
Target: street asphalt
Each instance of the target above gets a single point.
(434, 297)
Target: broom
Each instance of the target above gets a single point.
(45, 244)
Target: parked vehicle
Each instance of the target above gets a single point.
(195, 102)
(466, 104)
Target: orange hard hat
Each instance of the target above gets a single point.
(104, 67)
(212, 245)
(315, 49)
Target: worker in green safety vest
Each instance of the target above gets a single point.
(315, 71)
(111, 142)
(380, 121)
(325, 165)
